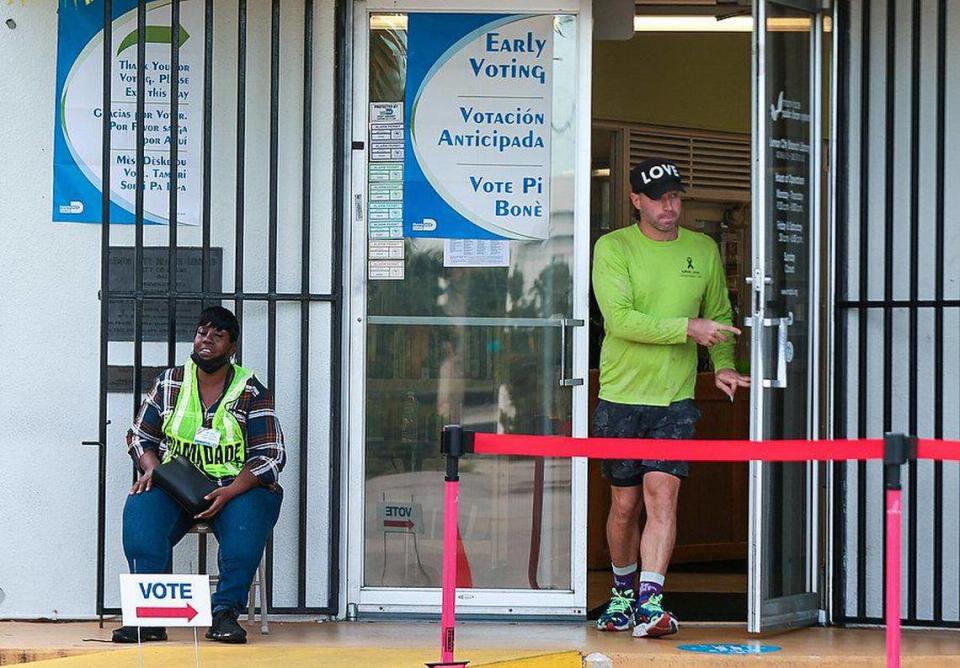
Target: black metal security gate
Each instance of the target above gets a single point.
(897, 299)
(143, 303)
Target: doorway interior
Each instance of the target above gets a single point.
(684, 95)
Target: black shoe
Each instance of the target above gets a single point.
(128, 634)
(226, 629)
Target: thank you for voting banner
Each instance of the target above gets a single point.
(478, 102)
(77, 157)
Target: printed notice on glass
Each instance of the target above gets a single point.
(385, 270)
(385, 250)
(385, 209)
(478, 105)
(386, 142)
(386, 112)
(476, 253)
(788, 185)
(387, 172)
(386, 132)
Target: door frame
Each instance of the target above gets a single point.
(804, 608)
(376, 601)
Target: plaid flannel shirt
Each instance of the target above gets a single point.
(254, 411)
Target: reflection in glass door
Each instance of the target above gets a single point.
(478, 332)
(783, 552)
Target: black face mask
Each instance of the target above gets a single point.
(210, 365)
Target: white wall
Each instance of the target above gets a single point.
(49, 319)
(49, 316)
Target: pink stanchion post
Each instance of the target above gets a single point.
(897, 450)
(893, 578)
(452, 445)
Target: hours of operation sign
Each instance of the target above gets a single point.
(478, 108)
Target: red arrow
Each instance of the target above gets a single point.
(186, 612)
(406, 524)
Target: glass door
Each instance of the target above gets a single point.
(470, 238)
(786, 195)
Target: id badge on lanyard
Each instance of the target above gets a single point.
(207, 437)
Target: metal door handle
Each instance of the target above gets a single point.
(564, 381)
(358, 207)
(783, 350)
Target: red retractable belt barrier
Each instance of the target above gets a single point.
(693, 451)
(928, 448)
(894, 450)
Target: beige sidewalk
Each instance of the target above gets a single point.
(355, 644)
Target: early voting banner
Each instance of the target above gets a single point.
(77, 157)
(477, 150)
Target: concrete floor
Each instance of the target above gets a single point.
(355, 644)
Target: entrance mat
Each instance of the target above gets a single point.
(699, 606)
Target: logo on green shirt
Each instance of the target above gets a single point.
(690, 271)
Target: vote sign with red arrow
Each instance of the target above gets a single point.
(400, 516)
(165, 600)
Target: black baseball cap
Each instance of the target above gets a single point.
(655, 176)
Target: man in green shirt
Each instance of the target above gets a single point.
(662, 290)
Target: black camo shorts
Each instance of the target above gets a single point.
(676, 421)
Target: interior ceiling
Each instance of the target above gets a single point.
(721, 8)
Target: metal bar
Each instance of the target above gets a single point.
(272, 218)
(888, 222)
(173, 183)
(310, 610)
(105, 165)
(755, 574)
(946, 624)
(863, 287)
(202, 553)
(305, 306)
(463, 321)
(342, 11)
(246, 296)
(840, 166)
(889, 169)
(241, 157)
(207, 158)
(912, 353)
(939, 268)
(816, 356)
(138, 213)
(295, 610)
(900, 303)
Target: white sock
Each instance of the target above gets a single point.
(650, 576)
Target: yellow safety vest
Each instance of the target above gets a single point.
(227, 457)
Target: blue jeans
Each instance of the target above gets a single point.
(153, 523)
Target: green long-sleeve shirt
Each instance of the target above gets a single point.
(647, 290)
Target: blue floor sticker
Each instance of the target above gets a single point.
(730, 649)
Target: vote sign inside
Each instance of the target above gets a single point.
(401, 517)
(165, 600)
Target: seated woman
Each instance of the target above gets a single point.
(221, 418)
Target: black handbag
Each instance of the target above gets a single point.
(185, 483)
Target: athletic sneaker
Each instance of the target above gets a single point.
(652, 621)
(619, 613)
(225, 627)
